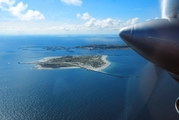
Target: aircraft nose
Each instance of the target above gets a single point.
(126, 34)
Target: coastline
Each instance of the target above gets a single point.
(107, 63)
(104, 59)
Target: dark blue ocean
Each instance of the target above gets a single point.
(131, 89)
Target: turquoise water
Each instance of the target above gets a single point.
(78, 94)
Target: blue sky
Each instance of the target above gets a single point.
(74, 16)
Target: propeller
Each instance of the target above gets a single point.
(170, 8)
(151, 74)
(140, 90)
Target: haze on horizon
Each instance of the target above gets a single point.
(73, 16)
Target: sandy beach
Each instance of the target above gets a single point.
(107, 63)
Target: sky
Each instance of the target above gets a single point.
(22, 17)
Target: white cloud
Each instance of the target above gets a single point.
(19, 9)
(89, 26)
(4, 4)
(15, 28)
(92, 26)
(84, 16)
(98, 24)
(30, 15)
(131, 21)
(73, 2)
(108, 23)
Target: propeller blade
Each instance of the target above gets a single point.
(143, 87)
(170, 8)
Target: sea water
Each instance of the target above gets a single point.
(76, 94)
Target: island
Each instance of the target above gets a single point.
(89, 62)
(91, 47)
(104, 47)
(98, 47)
